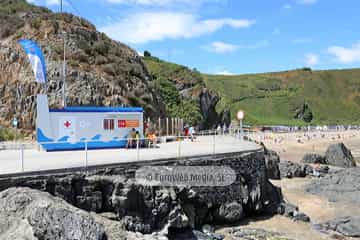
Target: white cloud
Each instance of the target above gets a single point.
(161, 2)
(346, 55)
(311, 59)
(46, 2)
(221, 47)
(307, 2)
(225, 72)
(156, 26)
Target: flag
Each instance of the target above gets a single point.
(36, 59)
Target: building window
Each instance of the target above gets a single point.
(109, 124)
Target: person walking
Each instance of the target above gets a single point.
(191, 133)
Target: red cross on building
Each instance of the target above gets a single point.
(67, 124)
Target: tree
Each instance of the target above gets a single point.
(147, 53)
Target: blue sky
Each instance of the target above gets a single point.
(231, 36)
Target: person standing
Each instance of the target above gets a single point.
(191, 133)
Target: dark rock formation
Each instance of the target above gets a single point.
(343, 185)
(195, 235)
(229, 213)
(272, 161)
(314, 158)
(225, 118)
(291, 211)
(290, 169)
(31, 214)
(146, 209)
(208, 103)
(253, 234)
(304, 113)
(340, 156)
(346, 226)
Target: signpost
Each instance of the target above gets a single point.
(240, 116)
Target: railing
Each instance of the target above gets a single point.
(21, 158)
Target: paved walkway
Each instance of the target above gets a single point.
(34, 160)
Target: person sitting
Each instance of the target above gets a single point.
(131, 141)
(152, 140)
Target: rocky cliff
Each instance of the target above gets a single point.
(147, 209)
(99, 71)
(194, 101)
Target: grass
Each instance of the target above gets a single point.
(169, 79)
(271, 98)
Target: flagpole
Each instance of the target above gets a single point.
(64, 62)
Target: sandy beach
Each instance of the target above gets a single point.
(293, 146)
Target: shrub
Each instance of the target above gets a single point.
(109, 69)
(99, 60)
(36, 23)
(101, 48)
(7, 135)
(147, 53)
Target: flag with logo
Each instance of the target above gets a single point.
(36, 59)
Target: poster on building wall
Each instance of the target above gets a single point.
(128, 123)
(67, 128)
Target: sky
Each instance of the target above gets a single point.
(231, 36)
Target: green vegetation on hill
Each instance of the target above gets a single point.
(177, 86)
(292, 97)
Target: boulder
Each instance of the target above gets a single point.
(253, 234)
(290, 169)
(195, 235)
(314, 158)
(340, 156)
(272, 161)
(229, 213)
(340, 185)
(347, 226)
(291, 211)
(30, 214)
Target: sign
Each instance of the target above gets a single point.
(15, 122)
(240, 115)
(128, 123)
(67, 128)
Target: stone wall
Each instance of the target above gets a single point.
(147, 209)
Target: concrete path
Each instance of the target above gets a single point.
(34, 160)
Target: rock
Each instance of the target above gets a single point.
(290, 169)
(254, 234)
(195, 235)
(208, 229)
(124, 79)
(291, 211)
(148, 209)
(272, 161)
(31, 214)
(301, 217)
(229, 213)
(338, 155)
(347, 226)
(208, 101)
(303, 112)
(341, 185)
(177, 218)
(314, 158)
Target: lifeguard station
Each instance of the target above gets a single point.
(70, 127)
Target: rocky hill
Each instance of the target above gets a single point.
(185, 93)
(300, 97)
(100, 71)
